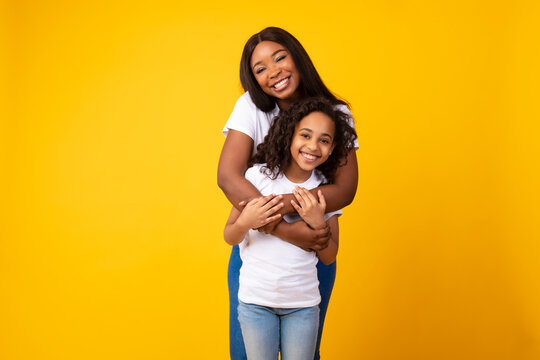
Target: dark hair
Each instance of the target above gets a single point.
(310, 81)
(275, 150)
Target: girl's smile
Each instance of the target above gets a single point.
(275, 72)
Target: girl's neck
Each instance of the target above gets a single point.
(296, 174)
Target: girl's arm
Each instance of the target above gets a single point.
(312, 210)
(258, 212)
(328, 255)
(234, 233)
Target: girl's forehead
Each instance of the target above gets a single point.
(317, 122)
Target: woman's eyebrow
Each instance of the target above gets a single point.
(273, 54)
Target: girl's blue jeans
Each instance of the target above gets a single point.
(326, 274)
(268, 330)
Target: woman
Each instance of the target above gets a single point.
(276, 71)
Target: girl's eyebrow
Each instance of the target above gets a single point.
(273, 54)
(309, 130)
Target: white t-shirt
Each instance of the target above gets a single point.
(252, 121)
(276, 273)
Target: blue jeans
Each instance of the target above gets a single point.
(268, 330)
(326, 274)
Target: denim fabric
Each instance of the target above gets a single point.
(266, 330)
(326, 274)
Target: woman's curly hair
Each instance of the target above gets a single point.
(275, 150)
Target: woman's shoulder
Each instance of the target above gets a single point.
(245, 103)
(344, 108)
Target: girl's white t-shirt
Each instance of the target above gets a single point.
(276, 273)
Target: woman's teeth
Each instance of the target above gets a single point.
(281, 83)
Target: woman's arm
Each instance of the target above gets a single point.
(339, 194)
(328, 255)
(232, 165)
(301, 235)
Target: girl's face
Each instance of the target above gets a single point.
(312, 144)
(275, 71)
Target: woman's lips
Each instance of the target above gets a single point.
(281, 84)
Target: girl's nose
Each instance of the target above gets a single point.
(312, 145)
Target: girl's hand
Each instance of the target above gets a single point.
(309, 208)
(260, 211)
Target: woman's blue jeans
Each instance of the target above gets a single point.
(326, 274)
(267, 331)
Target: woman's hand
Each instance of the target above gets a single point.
(299, 234)
(309, 208)
(260, 211)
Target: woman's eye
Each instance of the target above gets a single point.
(281, 57)
(259, 70)
(305, 136)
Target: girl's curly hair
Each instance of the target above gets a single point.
(275, 150)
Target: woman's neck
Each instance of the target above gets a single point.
(284, 104)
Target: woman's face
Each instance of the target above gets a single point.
(275, 71)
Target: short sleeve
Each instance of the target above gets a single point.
(346, 110)
(242, 117)
(253, 175)
(330, 214)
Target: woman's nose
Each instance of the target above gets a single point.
(275, 71)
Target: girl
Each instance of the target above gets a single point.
(276, 71)
(279, 294)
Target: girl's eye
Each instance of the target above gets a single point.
(324, 141)
(305, 136)
(281, 57)
(259, 70)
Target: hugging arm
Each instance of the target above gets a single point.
(232, 165)
(328, 255)
(341, 192)
(233, 162)
(338, 194)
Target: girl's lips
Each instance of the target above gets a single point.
(309, 157)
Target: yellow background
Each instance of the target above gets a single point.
(111, 244)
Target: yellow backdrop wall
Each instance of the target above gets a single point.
(111, 232)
